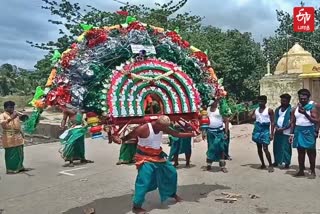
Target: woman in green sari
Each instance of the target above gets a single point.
(73, 139)
(128, 150)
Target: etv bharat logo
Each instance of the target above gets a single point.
(303, 19)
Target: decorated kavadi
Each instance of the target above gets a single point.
(114, 71)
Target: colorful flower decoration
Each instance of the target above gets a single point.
(104, 73)
(96, 37)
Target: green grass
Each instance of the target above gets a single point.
(21, 101)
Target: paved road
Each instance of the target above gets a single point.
(108, 188)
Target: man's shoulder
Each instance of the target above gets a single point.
(142, 127)
(270, 109)
(4, 115)
(277, 109)
(317, 105)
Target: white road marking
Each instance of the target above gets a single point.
(65, 172)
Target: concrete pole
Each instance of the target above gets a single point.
(287, 56)
(268, 68)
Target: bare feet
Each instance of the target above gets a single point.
(12, 173)
(287, 166)
(224, 170)
(89, 211)
(300, 174)
(176, 164)
(208, 167)
(263, 167)
(270, 169)
(139, 210)
(177, 198)
(228, 158)
(119, 162)
(187, 165)
(313, 175)
(86, 161)
(25, 169)
(68, 165)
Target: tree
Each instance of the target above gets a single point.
(284, 38)
(245, 65)
(14, 80)
(8, 77)
(235, 57)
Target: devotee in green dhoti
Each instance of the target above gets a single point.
(282, 149)
(12, 139)
(73, 138)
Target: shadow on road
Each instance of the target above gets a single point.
(123, 204)
(183, 166)
(213, 169)
(254, 166)
(292, 171)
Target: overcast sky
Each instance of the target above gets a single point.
(23, 20)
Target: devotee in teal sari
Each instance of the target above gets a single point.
(282, 149)
(303, 131)
(262, 135)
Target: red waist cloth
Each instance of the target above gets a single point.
(147, 154)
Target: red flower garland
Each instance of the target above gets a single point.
(59, 96)
(185, 44)
(176, 38)
(202, 57)
(74, 45)
(155, 32)
(67, 57)
(122, 13)
(220, 92)
(95, 37)
(136, 26)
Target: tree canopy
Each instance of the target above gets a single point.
(14, 80)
